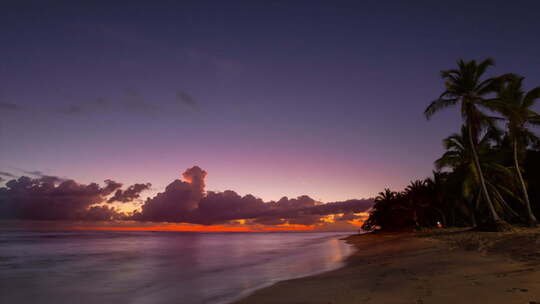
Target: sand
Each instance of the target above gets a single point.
(439, 266)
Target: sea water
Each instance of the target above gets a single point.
(157, 267)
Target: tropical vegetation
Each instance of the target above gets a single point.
(489, 175)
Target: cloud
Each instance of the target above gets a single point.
(128, 100)
(9, 106)
(185, 98)
(131, 100)
(134, 101)
(50, 178)
(43, 199)
(179, 200)
(130, 194)
(187, 202)
(220, 207)
(50, 198)
(73, 109)
(7, 174)
(92, 106)
(305, 211)
(111, 186)
(195, 176)
(184, 200)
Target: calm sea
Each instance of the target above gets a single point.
(157, 267)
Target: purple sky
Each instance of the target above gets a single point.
(271, 98)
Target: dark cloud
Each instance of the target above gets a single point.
(131, 100)
(220, 207)
(179, 200)
(100, 213)
(305, 211)
(9, 106)
(130, 194)
(185, 98)
(36, 173)
(111, 186)
(43, 199)
(49, 198)
(128, 100)
(96, 105)
(103, 102)
(349, 217)
(7, 174)
(268, 220)
(50, 178)
(195, 177)
(134, 101)
(349, 206)
(184, 201)
(72, 109)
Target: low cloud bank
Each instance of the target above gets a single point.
(183, 201)
(186, 201)
(52, 198)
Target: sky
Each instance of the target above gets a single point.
(270, 98)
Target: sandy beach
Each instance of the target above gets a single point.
(440, 267)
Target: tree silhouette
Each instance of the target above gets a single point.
(464, 86)
(515, 105)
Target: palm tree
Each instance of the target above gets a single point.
(437, 189)
(386, 195)
(458, 158)
(415, 194)
(515, 105)
(465, 87)
(380, 214)
(464, 177)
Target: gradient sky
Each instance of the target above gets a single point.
(273, 98)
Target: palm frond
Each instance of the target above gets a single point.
(439, 104)
(482, 66)
(531, 96)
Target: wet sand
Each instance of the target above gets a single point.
(439, 266)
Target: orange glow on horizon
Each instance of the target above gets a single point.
(200, 228)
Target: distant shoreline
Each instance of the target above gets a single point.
(438, 266)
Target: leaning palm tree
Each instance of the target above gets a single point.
(515, 105)
(464, 86)
(465, 176)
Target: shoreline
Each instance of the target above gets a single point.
(438, 266)
(247, 293)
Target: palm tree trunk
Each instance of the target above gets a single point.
(453, 216)
(473, 218)
(471, 207)
(532, 218)
(415, 217)
(499, 198)
(494, 214)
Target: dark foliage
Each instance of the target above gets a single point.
(487, 178)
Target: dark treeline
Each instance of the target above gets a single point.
(489, 175)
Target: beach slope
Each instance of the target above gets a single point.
(436, 267)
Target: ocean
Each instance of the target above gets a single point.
(157, 267)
